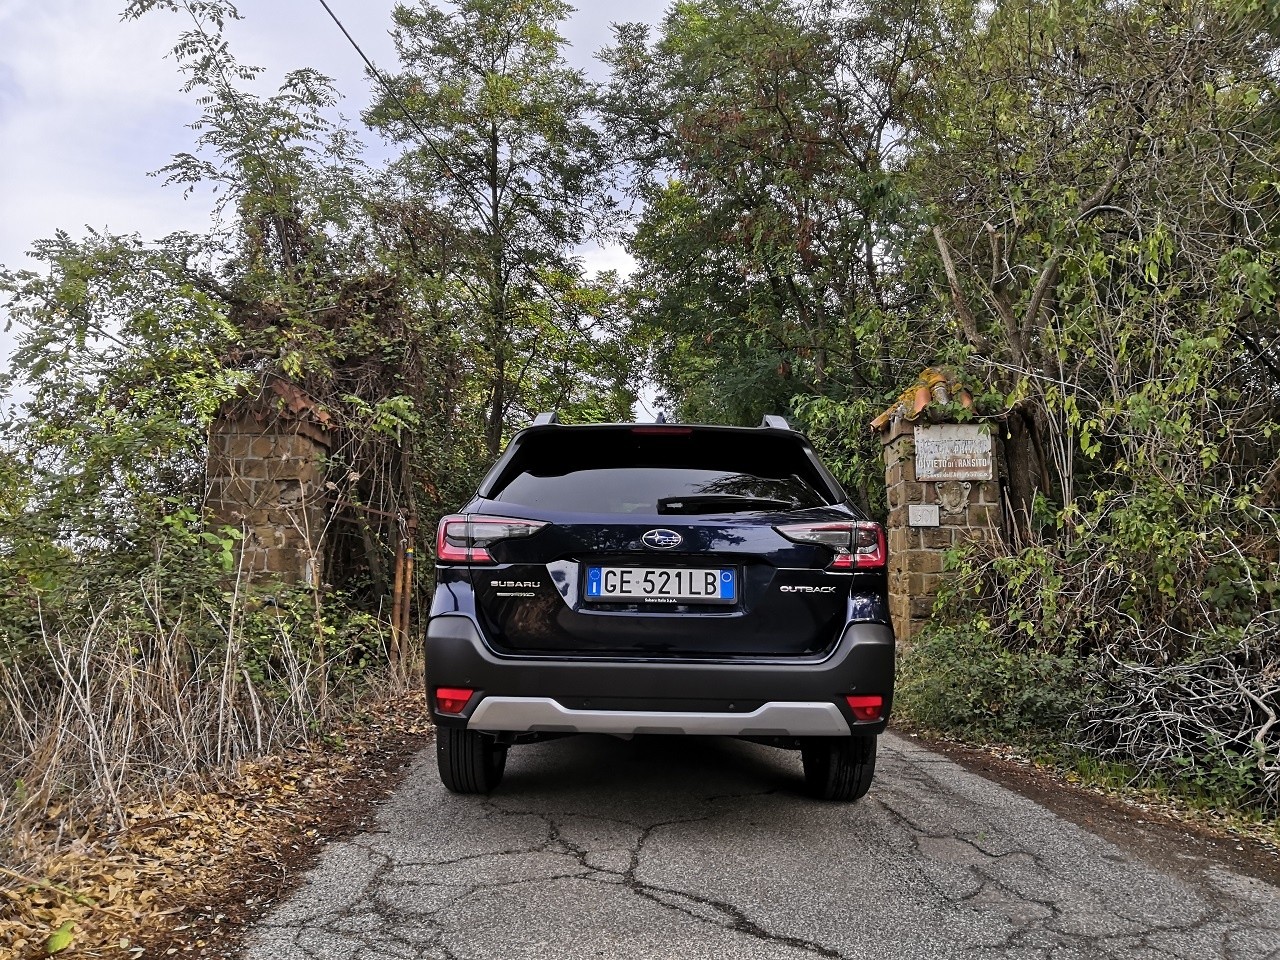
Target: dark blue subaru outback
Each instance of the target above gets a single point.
(660, 579)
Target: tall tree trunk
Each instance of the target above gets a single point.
(1024, 472)
(497, 406)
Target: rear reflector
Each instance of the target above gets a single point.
(466, 539)
(858, 544)
(866, 707)
(452, 699)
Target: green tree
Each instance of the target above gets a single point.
(762, 135)
(122, 357)
(1096, 177)
(421, 335)
(500, 143)
(131, 348)
(1101, 180)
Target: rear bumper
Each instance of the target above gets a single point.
(544, 715)
(551, 695)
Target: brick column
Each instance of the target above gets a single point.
(914, 566)
(951, 499)
(265, 478)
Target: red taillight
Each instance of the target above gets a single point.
(858, 544)
(866, 707)
(452, 543)
(452, 699)
(662, 430)
(466, 539)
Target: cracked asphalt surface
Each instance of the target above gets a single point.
(706, 848)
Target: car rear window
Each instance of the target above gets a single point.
(618, 470)
(657, 490)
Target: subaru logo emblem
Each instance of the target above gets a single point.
(662, 539)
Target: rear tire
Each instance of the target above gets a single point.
(839, 768)
(469, 762)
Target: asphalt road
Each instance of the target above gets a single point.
(691, 849)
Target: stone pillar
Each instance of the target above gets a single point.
(942, 488)
(265, 479)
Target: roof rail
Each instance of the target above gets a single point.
(775, 422)
(544, 418)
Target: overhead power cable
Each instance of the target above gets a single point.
(404, 109)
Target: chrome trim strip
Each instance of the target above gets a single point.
(544, 715)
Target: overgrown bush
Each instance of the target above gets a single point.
(1208, 724)
(960, 678)
(1159, 655)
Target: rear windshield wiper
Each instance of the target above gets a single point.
(713, 502)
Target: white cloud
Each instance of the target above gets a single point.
(88, 105)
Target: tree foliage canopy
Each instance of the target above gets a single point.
(1073, 205)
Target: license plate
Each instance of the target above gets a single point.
(705, 585)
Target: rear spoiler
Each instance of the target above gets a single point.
(771, 421)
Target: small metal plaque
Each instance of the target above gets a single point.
(922, 514)
(953, 451)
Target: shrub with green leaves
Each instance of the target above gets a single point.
(962, 679)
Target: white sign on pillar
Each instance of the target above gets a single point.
(953, 451)
(923, 515)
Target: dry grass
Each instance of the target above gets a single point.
(134, 725)
(104, 715)
(191, 867)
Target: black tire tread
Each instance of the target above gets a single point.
(839, 768)
(469, 762)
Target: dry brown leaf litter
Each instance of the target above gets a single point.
(123, 893)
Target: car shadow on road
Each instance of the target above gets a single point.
(655, 767)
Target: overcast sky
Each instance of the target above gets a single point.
(90, 105)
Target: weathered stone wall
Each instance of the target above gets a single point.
(948, 513)
(265, 479)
